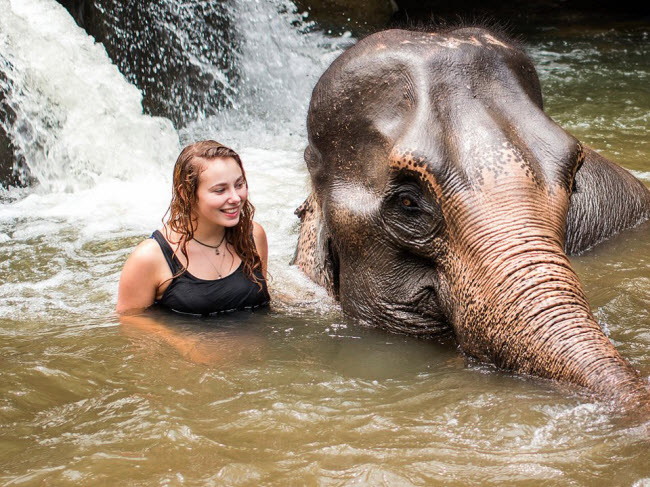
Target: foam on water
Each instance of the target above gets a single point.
(644, 175)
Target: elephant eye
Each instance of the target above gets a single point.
(408, 202)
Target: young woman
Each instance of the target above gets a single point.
(210, 256)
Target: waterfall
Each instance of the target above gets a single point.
(77, 120)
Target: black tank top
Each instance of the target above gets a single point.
(189, 294)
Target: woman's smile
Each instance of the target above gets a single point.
(231, 212)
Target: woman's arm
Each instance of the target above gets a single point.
(143, 272)
(193, 348)
(141, 276)
(208, 347)
(259, 235)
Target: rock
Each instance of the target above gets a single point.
(13, 171)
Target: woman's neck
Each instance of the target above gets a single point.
(210, 236)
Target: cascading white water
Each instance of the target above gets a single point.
(79, 123)
(280, 60)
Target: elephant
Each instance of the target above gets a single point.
(444, 201)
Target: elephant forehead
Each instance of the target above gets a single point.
(400, 81)
(461, 53)
(434, 52)
(455, 39)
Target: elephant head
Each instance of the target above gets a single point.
(444, 200)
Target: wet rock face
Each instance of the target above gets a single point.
(8, 177)
(13, 171)
(181, 55)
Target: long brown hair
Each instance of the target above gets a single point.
(182, 219)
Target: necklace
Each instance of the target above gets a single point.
(215, 247)
(216, 269)
(208, 258)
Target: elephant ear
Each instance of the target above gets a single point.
(606, 200)
(314, 255)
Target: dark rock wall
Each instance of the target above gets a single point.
(366, 16)
(13, 171)
(521, 15)
(9, 174)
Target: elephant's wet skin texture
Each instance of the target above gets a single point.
(444, 201)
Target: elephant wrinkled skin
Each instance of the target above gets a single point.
(444, 200)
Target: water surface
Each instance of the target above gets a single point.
(296, 395)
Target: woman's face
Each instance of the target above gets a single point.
(221, 192)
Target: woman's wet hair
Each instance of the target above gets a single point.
(181, 217)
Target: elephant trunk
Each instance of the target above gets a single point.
(527, 312)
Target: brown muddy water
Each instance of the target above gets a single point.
(299, 395)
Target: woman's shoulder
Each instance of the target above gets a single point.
(262, 246)
(259, 236)
(142, 274)
(147, 254)
(258, 231)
